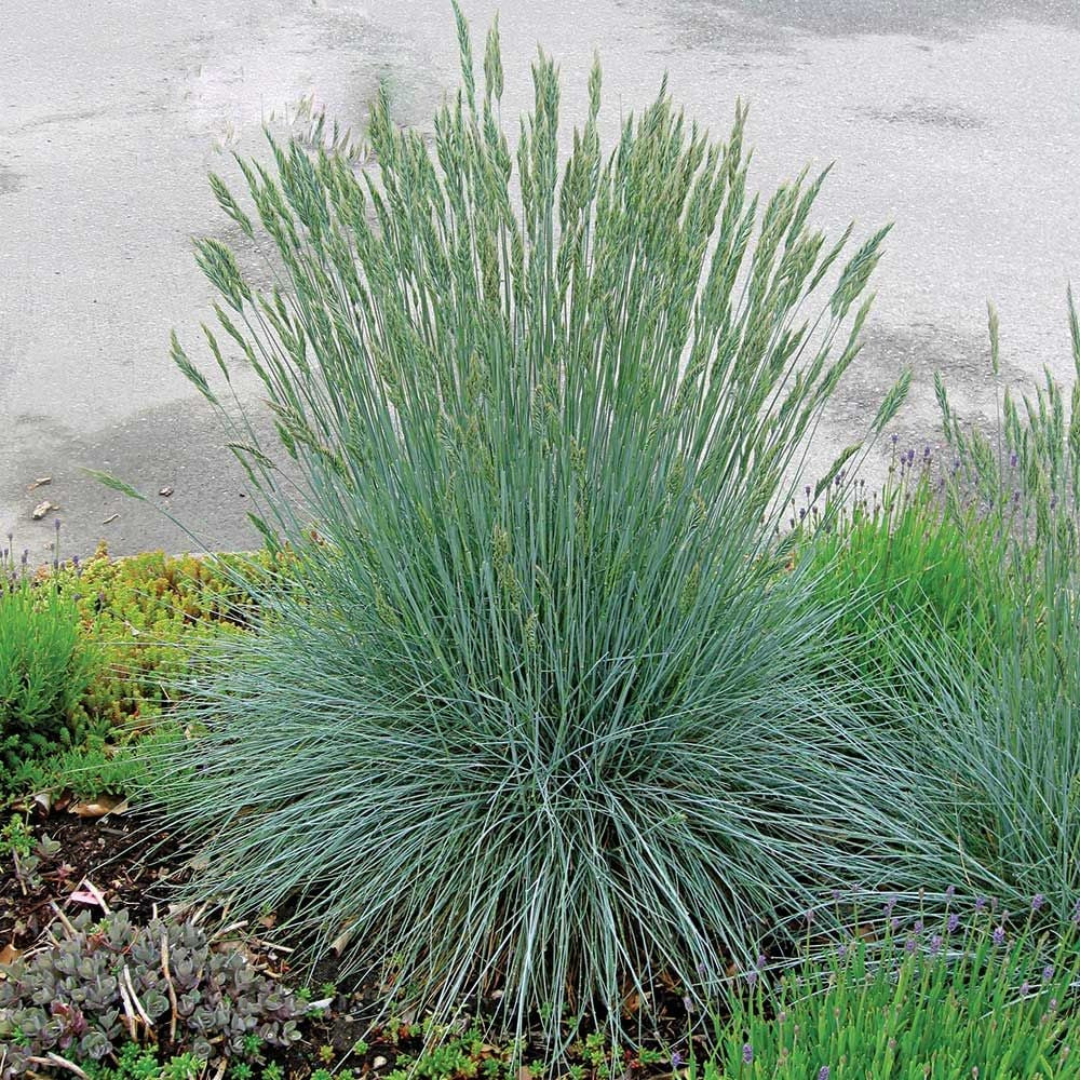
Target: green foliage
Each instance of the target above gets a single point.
(944, 1001)
(154, 616)
(142, 626)
(999, 716)
(30, 856)
(16, 837)
(45, 668)
(99, 766)
(917, 566)
(137, 1062)
(105, 985)
(540, 714)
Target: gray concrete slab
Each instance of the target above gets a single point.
(958, 121)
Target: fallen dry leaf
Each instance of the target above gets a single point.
(42, 509)
(99, 807)
(9, 954)
(41, 481)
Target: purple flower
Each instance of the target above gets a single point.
(677, 1060)
(895, 439)
(807, 490)
(954, 923)
(751, 978)
(1025, 988)
(980, 903)
(895, 923)
(999, 935)
(760, 965)
(1048, 973)
(1076, 914)
(56, 524)
(809, 916)
(1037, 901)
(918, 927)
(747, 1054)
(935, 944)
(25, 556)
(841, 952)
(950, 892)
(890, 904)
(823, 1073)
(909, 945)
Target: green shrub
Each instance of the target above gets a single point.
(541, 714)
(45, 668)
(966, 996)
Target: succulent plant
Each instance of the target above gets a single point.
(112, 982)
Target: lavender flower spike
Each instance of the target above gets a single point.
(747, 1054)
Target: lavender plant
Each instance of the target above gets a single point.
(963, 995)
(539, 716)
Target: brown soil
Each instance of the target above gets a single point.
(121, 858)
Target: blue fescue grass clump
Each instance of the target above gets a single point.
(541, 712)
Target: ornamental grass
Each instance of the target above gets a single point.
(540, 718)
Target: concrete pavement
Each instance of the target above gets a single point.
(958, 121)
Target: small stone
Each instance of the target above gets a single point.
(378, 1063)
(165, 492)
(42, 509)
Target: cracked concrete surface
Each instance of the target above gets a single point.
(959, 121)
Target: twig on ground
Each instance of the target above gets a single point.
(169, 983)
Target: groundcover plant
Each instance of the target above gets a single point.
(539, 715)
